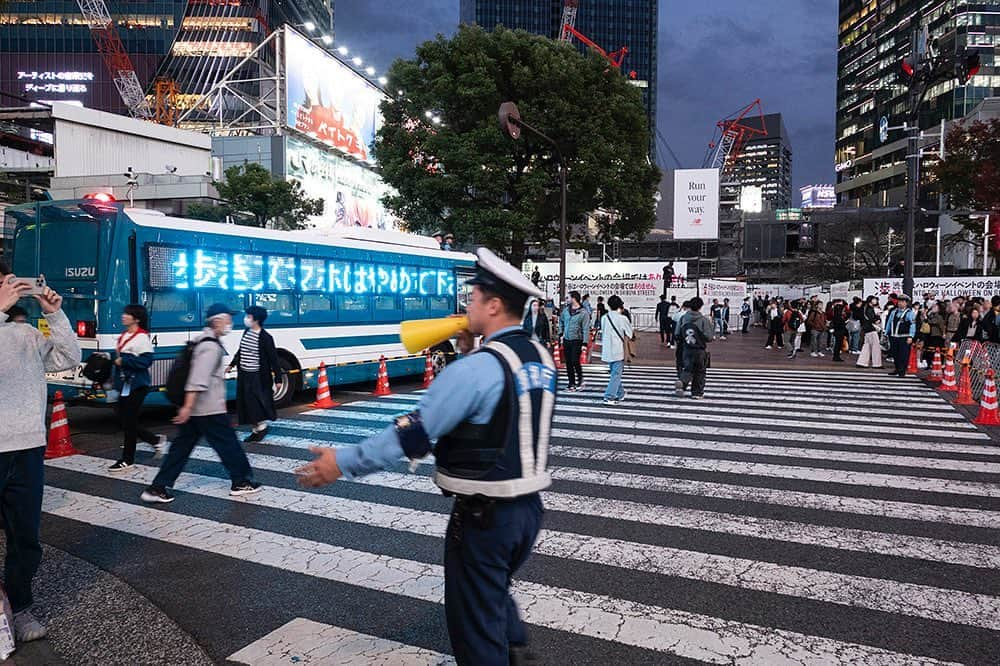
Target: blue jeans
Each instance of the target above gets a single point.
(855, 340)
(614, 391)
(219, 435)
(22, 476)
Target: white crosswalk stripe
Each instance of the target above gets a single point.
(844, 521)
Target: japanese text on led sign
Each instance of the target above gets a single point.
(55, 82)
(180, 268)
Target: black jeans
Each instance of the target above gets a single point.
(838, 343)
(219, 435)
(22, 476)
(573, 369)
(746, 324)
(774, 338)
(900, 350)
(128, 408)
(694, 370)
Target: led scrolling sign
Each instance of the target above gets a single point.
(179, 268)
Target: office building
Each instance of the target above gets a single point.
(611, 24)
(766, 162)
(874, 38)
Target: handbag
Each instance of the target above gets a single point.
(925, 328)
(628, 344)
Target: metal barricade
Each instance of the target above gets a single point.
(982, 356)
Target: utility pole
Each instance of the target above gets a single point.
(912, 162)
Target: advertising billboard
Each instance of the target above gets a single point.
(328, 101)
(352, 193)
(942, 287)
(818, 196)
(638, 283)
(696, 204)
(734, 290)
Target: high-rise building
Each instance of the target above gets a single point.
(874, 38)
(766, 162)
(47, 52)
(611, 24)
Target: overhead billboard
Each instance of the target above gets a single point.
(352, 193)
(328, 101)
(696, 204)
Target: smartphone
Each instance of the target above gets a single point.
(37, 285)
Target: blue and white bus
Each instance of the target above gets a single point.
(334, 297)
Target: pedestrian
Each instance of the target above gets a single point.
(971, 327)
(616, 330)
(934, 332)
(536, 277)
(602, 310)
(854, 325)
(574, 332)
(449, 242)
(797, 328)
(871, 349)
(715, 311)
(746, 311)
(662, 317)
(134, 357)
(673, 311)
(585, 302)
(536, 323)
(724, 316)
(774, 327)
(839, 326)
(816, 324)
(696, 332)
(678, 340)
(25, 356)
(203, 414)
(953, 318)
(258, 371)
(494, 467)
(900, 327)
(668, 276)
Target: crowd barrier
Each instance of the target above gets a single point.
(982, 356)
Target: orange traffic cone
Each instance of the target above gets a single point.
(584, 360)
(323, 399)
(949, 385)
(936, 374)
(911, 369)
(557, 354)
(988, 412)
(60, 443)
(382, 385)
(964, 384)
(428, 370)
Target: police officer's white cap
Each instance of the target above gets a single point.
(495, 274)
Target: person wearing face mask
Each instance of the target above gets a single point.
(257, 361)
(203, 414)
(536, 323)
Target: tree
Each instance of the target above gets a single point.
(457, 171)
(260, 200)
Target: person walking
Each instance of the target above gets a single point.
(696, 332)
(662, 317)
(574, 335)
(774, 325)
(134, 357)
(678, 341)
(796, 326)
(203, 415)
(490, 437)
(854, 325)
(715, 311)
(536, 323)
(258, 372)
(816, 324)
(724, 316)
(871, 349)
(617, 328)
(840, 333)
(25, 356)
(900, 327)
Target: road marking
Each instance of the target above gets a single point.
(303, 641)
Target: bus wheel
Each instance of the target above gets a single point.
(290, 384)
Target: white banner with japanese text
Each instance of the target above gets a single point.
(942, 287)
(638, 283)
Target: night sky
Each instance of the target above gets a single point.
(714, 58)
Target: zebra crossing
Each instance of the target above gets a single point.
(790, 517)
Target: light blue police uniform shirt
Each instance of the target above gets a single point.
(468, 390)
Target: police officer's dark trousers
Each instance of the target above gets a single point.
(485, 545)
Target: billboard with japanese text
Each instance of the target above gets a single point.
(943, 287)
(638, 283)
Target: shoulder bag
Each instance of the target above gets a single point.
(628, 344)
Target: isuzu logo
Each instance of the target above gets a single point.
(81, 272)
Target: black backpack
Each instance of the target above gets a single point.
(178, 377)
(98, 368)
(692, 336)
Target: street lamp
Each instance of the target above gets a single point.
(309, 26)
(888, 254)
(854, 261)
(327, 39)
(511, 124)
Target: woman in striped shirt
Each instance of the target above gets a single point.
(257, 360)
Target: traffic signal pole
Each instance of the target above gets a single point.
(912, 166)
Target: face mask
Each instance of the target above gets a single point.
(248, 321)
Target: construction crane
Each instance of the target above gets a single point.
(732, 134)
(116, 59)
(569, 31)
(568, 20)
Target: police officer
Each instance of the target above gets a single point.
(487, 419)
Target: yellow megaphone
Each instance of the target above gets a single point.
(420, 334)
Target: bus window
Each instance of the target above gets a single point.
(441, 305)
(313, 274)
(173, 309)
(352, 308)
(316, 309)
(386, 308)
(235, 301)
(414, 306)
(280, 308)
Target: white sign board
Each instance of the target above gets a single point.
(943, 287)
(840, 290)
(786, 291)
(696, 204)
(721, 289)
(638, 283)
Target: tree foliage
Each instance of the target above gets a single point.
(260, 200)
(970, 173)
(468, 177)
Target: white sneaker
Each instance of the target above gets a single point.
(813, 354)
(767, 347)
(820, 354)
(27, 628)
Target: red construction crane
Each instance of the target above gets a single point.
(732, 133)
(116, 59)
(568, 19)
(569, 31)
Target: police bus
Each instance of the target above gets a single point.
(334, 297)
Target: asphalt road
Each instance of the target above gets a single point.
(793, 516)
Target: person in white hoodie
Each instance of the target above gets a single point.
(615, 329)
(25, 356)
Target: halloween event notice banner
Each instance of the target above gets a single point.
(638, 283)
(943, 287)
(722, 289)
(329, 101)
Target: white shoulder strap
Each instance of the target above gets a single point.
(525, 429)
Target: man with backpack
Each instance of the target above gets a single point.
(197, 384)
(695, 332)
